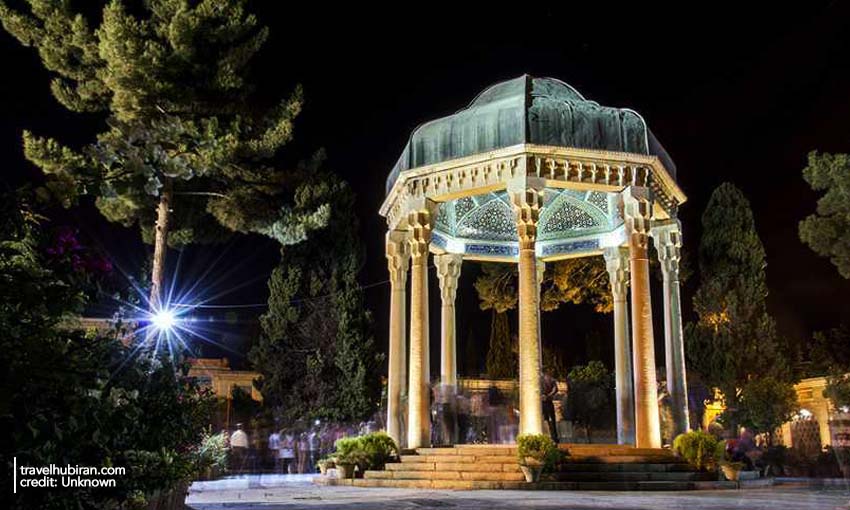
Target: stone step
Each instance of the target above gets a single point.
(508, 467)
(478, 451)
(491, 459)
(630, 476)
(626, 466)
(484, 476)
(624, 459)
(601, 450)
(522, 485)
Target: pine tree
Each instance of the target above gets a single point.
(182, 132)
(827, 231)
(735, 338)
(316, 353)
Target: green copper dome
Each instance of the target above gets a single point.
(542, 111)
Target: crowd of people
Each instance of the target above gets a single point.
(490, 416)
(293, 450)
(457, 415)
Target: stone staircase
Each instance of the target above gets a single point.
(587, 467)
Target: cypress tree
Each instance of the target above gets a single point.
(735, 338)
(184, 152)
(502, 362)
(316, 353)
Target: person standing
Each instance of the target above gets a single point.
(287, 453)
(274, 448)
(302, 451)
(549, 387)
(239, 447)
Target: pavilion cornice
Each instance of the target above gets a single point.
(559, 167)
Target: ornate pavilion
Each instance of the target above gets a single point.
(532, 172)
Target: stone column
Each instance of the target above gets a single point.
(418, 388)
(541, 271)
(398, 260)
(617, 262)
(637, 211)
(668, 244)
(448, 271)
(527, 203)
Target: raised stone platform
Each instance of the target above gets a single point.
(587, 467)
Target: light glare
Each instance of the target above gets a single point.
(164, 320)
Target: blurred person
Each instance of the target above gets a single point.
(549, 388)
(301, 451)
(274, 448)
(287, 453)
(239, 447)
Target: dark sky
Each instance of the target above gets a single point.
(734, 95)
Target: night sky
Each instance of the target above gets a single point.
(733, 95)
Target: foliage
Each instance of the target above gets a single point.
(735, 338)
(182, 132)
(590, 395)
(316, 353)
(369, 451)
(575, 281)
(211, 454)
(71, 397)
(701, 450)
(379, 449)
(838, 389)
(349, 450)
(497, 287)
(764, 404)
(502, 361)
(243, 408)
(774, 460)
(829, 350)
(553, 364)
(539, 448)
(827, 231)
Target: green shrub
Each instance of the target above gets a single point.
(379, 449)
(211, 455)
(699, 449)
(370, 451)
(539, 448)
(349, 450)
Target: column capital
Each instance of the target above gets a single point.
(448, 271)
(527, 204)
(398, 256)
(667, 235)
(419, 225)
(637, 213)
(617, 263)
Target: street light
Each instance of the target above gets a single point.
(164, 320)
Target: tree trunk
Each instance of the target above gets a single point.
(160, 244)
(731, 405)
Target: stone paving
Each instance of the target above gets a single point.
(291, 492)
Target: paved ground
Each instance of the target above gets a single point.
(290, 492)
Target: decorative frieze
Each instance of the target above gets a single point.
(560, 167)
